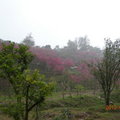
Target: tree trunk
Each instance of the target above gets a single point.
(20, 116)
(63, 95)
(77, 92)
(26, 115)
(70, 94)
(26, 106)
(107, 98)
(107, 102)
(94, 90)
(37, 113)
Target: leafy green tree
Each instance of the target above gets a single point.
(28, 86)
(34, 90)
(14, 59)
(107, 71)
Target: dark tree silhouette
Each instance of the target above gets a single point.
(29, 41)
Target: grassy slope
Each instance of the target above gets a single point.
(84, 107)
(81, 107)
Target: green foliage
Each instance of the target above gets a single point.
(13, 61)
(107, 71)
(32, 93)
(13, 110)
(29, 86)
(37, 86)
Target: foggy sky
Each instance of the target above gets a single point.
(55, 22)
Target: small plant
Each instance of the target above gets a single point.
(65, 115)
(79, 89)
